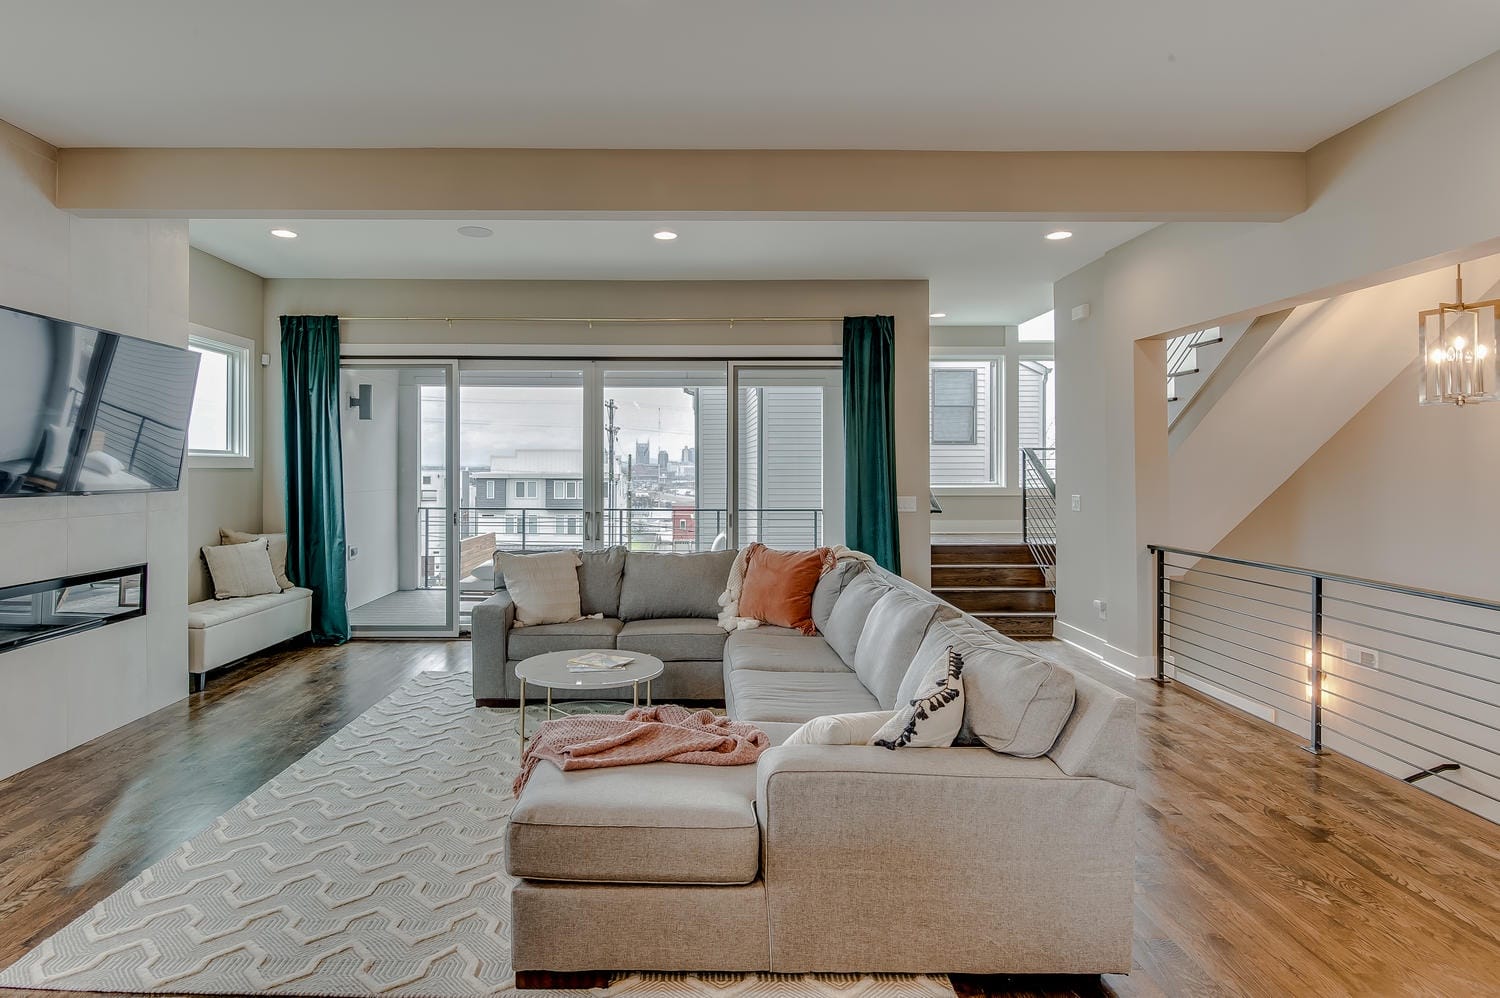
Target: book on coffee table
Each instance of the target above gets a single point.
(598, 661)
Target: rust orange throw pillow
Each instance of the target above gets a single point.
(779, 585)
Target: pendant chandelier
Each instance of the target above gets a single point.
(1458, 340)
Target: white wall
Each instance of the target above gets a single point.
(370, 486)
(130, 276)
(221, 296)
(1388, 202)
(905, 300)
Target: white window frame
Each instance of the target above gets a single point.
(1004, 401)
(240, 353)
(489, 488)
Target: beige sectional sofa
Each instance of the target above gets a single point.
(842, 858)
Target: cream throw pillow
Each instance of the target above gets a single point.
(840, 729)
(275, 544)
(933, 718)
(544, 587)
(241, 569)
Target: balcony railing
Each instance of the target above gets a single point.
(1404, 680)
(1039, 508)
(679, 529)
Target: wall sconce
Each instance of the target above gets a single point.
(362, 401)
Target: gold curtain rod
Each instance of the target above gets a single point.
(698, 320)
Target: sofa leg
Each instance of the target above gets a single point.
(562, 980)
(197, 682)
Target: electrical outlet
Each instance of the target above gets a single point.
(1102, 608)
(353, 553)
(1078, 504)
(906, 504)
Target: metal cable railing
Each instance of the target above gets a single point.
(1402, 679)
(1039, 508)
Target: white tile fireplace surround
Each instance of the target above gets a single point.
(54, 608)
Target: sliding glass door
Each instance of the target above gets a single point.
(447, 462)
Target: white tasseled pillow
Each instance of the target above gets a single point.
(932, 718)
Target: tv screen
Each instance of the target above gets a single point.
(84, 411)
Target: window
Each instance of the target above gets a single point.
(955, 402)
(525, 490)
(962, 423)
(219, 431)
(565, 490)
(1038, 330)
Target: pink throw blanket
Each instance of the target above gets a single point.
(667, 733)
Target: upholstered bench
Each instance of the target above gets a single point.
(221, 631)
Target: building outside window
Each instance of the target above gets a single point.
(992, 391)
(221, 429)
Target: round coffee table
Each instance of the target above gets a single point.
(550, 671)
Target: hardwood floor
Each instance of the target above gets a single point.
(1261, 870)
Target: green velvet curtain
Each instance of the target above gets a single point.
(315, 469)
(870, 523)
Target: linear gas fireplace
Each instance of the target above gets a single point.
(37, 611)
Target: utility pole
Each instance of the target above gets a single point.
(610, 431)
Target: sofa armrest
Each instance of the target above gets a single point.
(984, 863)
(491, 624)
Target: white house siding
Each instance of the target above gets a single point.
(968, 464)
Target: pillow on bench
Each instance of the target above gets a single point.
(241, 569)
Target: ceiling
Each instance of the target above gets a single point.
(980, 273)
(890, 74)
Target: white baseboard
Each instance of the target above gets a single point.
(1132, 665)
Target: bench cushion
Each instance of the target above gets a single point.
(794, 697)
(659, 823)
(211, 612)
(539, 639)
(674, 639)
(779, 649)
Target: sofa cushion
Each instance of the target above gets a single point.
(1015, 702)
(673, 585)
(539, 639)
(847, 619)
(795, 696)
(893, 631)
(674, 639)
(239, 570)
(829, 587)
(275, 547)
(659, 823)
(599, 578)
(779, 649)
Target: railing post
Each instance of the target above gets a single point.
(1161, 617)
(1025, 476)
(1315, 671)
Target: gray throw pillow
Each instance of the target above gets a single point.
(673, 585)
(830, 586)
(1014, 702)
(599, 579)
(847, 618)
(893, 631)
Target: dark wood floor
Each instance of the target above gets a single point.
(1262, 870)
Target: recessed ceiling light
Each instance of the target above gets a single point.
(665, 235)
(476, 231)
(938, 315)
(284, 233)
(1059, 234)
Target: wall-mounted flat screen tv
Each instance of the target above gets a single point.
(84, 410)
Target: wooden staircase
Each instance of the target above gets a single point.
(998, 582)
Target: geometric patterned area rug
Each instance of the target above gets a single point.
(371, 866)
